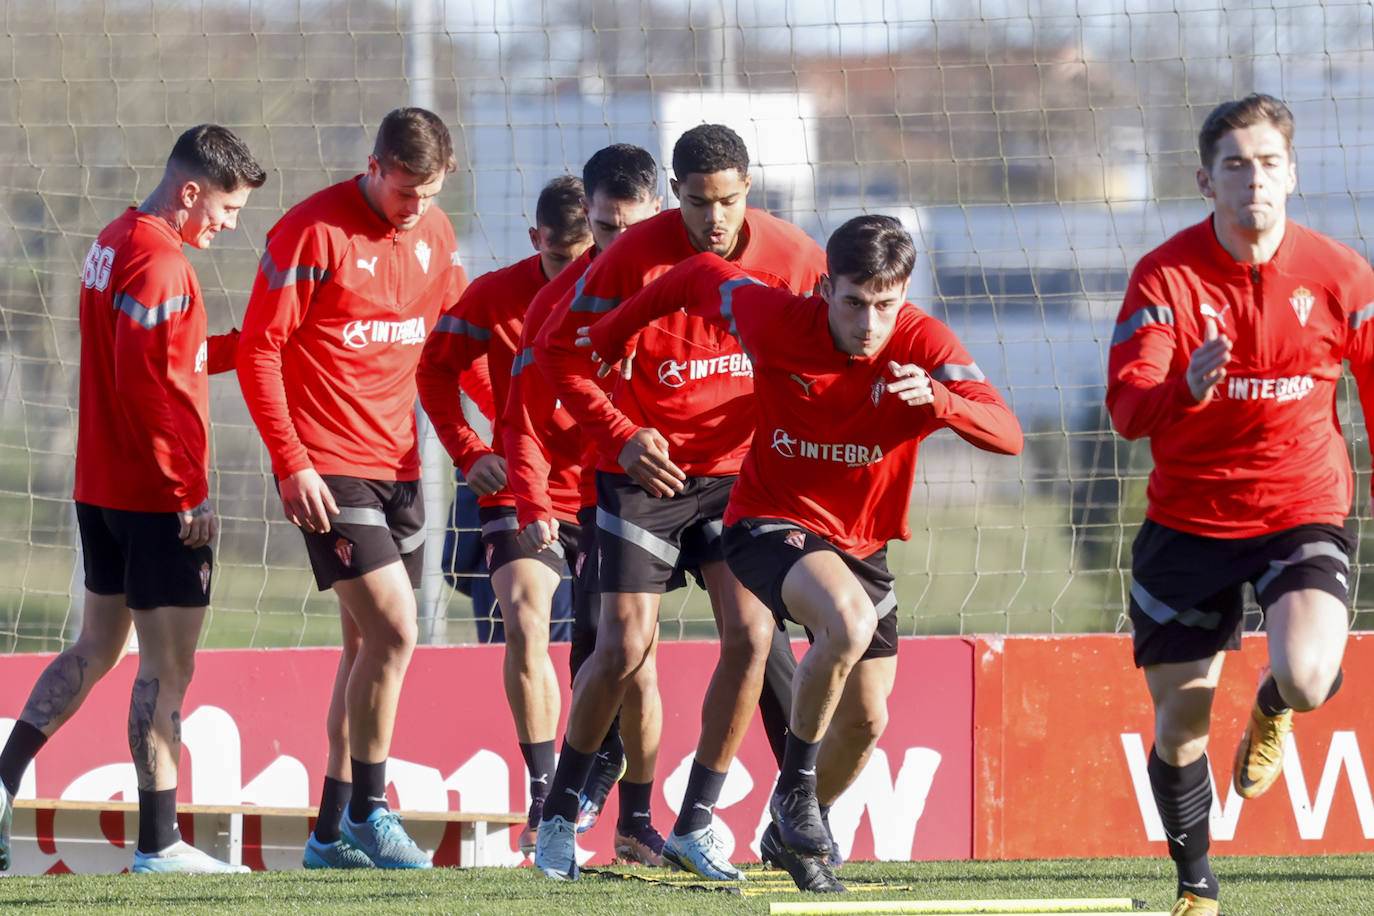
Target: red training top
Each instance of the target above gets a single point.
(485, 322)
(334, 328)
(835, 451)
(142, 429)
(545, 449)
(690, 379)
(1265, 452)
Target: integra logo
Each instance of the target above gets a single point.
(676, 373)
(358, 334)
(849, 453)
(1290, 388)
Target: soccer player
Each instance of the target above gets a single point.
(551, 473)
(671, 440)
(848, 383)
(486, 323)
(1227, 355)
(352, 280)
(142, 496)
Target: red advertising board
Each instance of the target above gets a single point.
(1017, 747)
(1064, 732)
(253, 732)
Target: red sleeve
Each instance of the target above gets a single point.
(570, 369)
(1359, 346)
(223, 351)
(705, 280)
(476, 384)
(968, 404)
(527, 455)
(459, 341)
(294, 266)
(155, 305)
(1142, 396)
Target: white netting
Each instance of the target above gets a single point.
(1036, 150)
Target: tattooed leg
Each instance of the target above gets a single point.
(59, 684)
(64, 684)
(142, 732)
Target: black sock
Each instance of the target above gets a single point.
(157, 819)
(798, 764)
(539, 762)
(775, 700)
(369, 790)
(699, 801)
(333, 800)
(635, 801)
(1269, 700)
(1183, 796)
(23, 745)
(1335, 684)
(609, 758)
(568, 779)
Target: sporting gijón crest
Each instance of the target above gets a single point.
(205, 578)
(344, 548)
(1302, 301)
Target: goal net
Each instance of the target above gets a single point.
(1035, 149)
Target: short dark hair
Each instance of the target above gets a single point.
(560, 209)
(1255, 108)
(415, 140)
(871, 247)
(217, 155)
(621, 171)
(709, 148)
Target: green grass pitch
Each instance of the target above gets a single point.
(1264, 886)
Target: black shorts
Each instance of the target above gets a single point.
(500, 538)
(761, 551)
(1187, 590)
(379, 522)
(586, 599)
(646, 543)
(139, 555)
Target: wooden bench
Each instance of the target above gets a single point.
(221, 830)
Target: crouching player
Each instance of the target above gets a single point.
(847, 384)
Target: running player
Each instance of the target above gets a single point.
(352, 280)
(142, 495)
(1227, 355)
(671, 442)
(551, 469)
(485, 324)
(848, 383)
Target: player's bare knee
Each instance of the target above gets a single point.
(1306, 689)
(622, 659)
(853, 626)
(747, 642)
(1179, 743)
(864, 725)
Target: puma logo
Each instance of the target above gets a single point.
(806, 385)
(369, 266)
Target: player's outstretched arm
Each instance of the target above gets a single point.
(969, 406)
